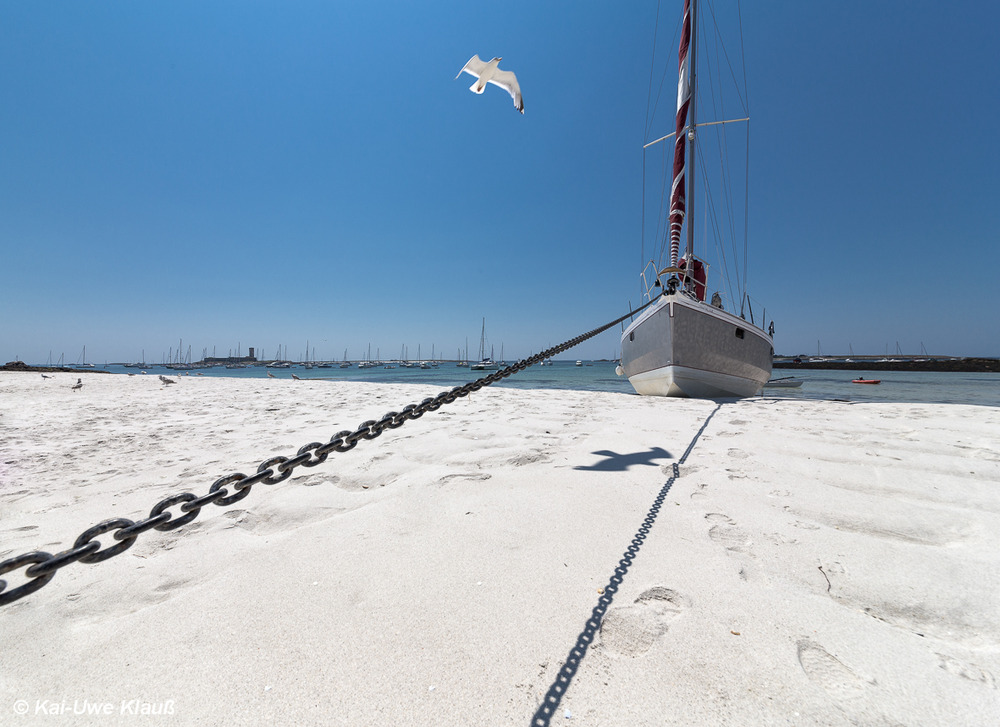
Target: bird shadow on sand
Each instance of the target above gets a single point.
(615, 462)
(550, 703)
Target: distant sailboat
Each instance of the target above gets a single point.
(81, 362)
(484, 363)
(367, 363)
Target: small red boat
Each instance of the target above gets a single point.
(866, 381)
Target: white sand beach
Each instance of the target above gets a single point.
(616, 560)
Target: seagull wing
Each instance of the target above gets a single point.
(474, 67)
(508, 81)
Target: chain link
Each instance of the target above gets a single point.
(42, 566)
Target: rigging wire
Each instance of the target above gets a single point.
(746, 212)
(661, 228)
(725, 161)
(707, 90)
(736, 84)
(725, 168)
(713, 216)
(645, 135)
(652, 66)
(663, 218)
(746, 203)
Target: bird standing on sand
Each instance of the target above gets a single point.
(490, 73)
(165, 380)
(46, 377)
(77, 385)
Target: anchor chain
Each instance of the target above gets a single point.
(41, 566)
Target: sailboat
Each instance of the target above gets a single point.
(367, 363)
(484, 363)
(81, 363)
(682, 345)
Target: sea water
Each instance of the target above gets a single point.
(897, 386)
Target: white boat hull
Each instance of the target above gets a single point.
(784, 383)
(684, 347)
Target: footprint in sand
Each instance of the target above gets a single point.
(314, 480)
(534, 457)
(727, 534)
(470, 476)
(827, 671)
(681, 471)
(632, 630)
(967, 671)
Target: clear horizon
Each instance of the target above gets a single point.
(270, 174)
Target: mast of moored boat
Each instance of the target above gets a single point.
(689, 162)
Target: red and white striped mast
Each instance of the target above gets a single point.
(693, 96)
(681, 199)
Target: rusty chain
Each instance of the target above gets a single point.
(42, 566)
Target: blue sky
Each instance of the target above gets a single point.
(233, 173)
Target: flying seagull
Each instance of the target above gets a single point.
(296, 377)
(271, 376)
(490, 73)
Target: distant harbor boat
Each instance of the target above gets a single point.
(82, 361)
(788, 382)
(484, 364)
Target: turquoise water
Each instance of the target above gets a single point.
(897, 386)
(925, 387)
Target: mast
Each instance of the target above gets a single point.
(679, 184)
(689, 201)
